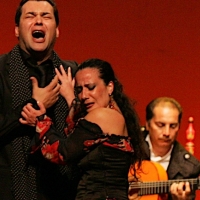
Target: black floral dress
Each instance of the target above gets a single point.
(103, 159)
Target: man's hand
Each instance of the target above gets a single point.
(47, 95)
(132, 193)
(30, 114)
(180, 191)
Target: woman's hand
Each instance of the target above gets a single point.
(66, 84)
(29, 114)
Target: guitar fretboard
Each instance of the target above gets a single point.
(159, 187)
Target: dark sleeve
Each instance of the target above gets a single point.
(9, 117)
(71, 149)
(183, 165)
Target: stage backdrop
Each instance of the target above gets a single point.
(154, 47)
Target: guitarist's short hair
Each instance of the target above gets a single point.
(150, 107)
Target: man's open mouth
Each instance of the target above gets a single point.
(38, 34)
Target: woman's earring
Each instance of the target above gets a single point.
(111, 105)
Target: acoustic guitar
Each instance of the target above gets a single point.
(153, 182)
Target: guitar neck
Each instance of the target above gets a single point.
(160, 187)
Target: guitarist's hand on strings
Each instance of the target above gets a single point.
(180, 191)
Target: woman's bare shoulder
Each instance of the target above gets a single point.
(103, 113)
(109, 120)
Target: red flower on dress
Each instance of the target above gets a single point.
(50, 152)
(43, 126)
(123, 145)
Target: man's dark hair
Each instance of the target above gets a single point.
(150, 107)
(19, 10)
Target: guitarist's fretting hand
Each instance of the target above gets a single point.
(132, 194)
(180, 191)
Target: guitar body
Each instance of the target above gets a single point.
(149, 171)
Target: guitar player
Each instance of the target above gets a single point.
(163, 118)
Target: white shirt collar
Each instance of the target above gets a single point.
(163, 160)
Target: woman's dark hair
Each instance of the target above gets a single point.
(107, 74)
(19, 10)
